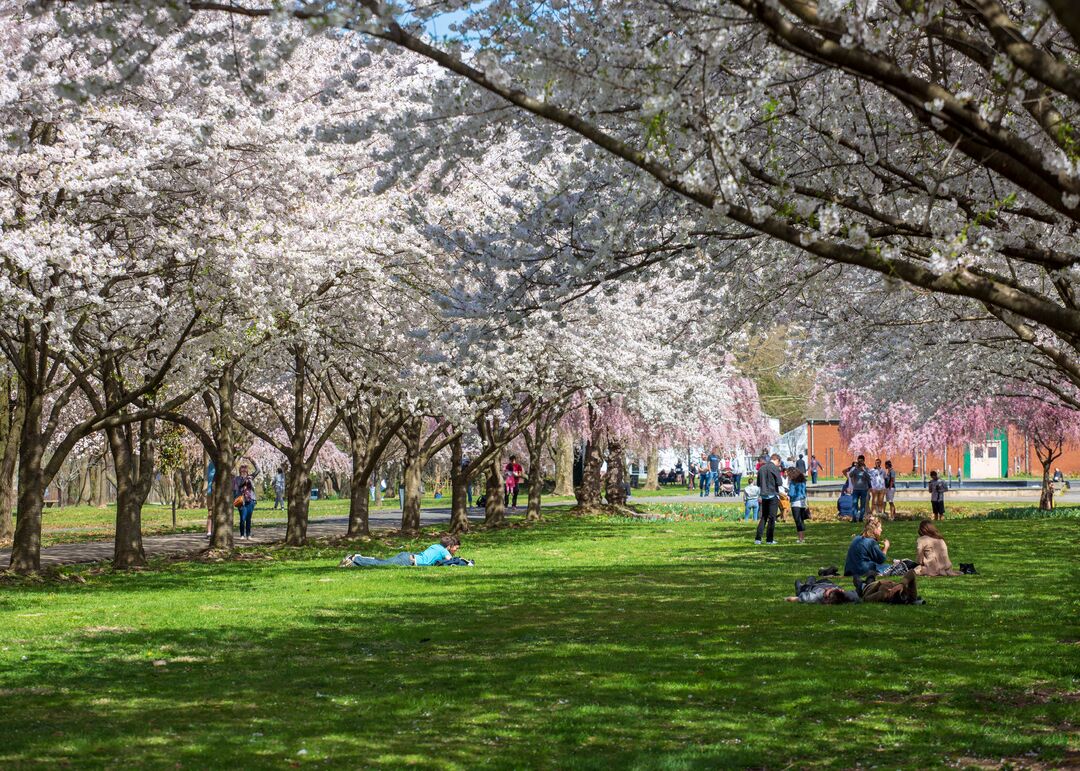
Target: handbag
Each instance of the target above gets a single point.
(238, 501)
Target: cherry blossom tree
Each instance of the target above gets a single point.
(770, 119)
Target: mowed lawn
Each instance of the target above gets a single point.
(575, 643)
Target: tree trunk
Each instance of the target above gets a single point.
(494, 508)
(616, 474)
(127, 543)
(564, 464)
(1046, 498)
(410, 511)
(535, 440)
(100, 485)
(298, 490)
(359, 496)
(588, 494)
(459, 497)
(652, 470)
(221, 498)
(26, 546)
(11, 423)
(411, 475)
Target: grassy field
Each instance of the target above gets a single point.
(575, 643)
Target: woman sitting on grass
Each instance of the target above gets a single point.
(865, 556)
(932, 552)
(442, 551)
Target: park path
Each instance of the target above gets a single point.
(327, 527)
(186, 543)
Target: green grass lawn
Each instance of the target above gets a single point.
(575, 643)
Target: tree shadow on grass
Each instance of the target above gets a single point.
(541, 665)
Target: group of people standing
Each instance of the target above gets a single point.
(707, 473)
(876, 486)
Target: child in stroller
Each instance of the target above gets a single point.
(727, 482)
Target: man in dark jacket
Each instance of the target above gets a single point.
(769, 480)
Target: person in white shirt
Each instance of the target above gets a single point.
(738, 468)
(877, 489)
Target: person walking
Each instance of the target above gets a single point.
(769, 482)
(279, 488)
(738, 468)
(797, 494)
(937, 488)
(890, 488)
(714, 472)
(513, 473)
(815, 467)
(800, 464)
(704, 477)
(859, 477)
(468, 481)
(243, 488)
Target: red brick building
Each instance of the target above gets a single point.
(1004, 454)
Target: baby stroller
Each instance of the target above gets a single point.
(727, 482)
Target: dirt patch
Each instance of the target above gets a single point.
(1035, 696)
(29, 690)
(1070, 760)
(103, 630)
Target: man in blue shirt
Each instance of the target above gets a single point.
(438, 552)
(714, 471)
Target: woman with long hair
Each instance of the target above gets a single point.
(797, 494)
(932, 553)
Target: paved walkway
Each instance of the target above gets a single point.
(183, 543)
(326, 527)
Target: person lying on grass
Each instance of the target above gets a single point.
(438, 553)
(901, 592)
(821, 591)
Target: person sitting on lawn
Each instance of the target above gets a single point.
(865, 556)
(442, 551)
(932, 552)
(845, 504)
(821, 591)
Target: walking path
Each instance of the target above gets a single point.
(183, 543)
(325, 527)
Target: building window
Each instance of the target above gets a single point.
(978, 451)
(991, 451)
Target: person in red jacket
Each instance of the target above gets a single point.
(512, 475)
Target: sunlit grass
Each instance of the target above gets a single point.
(589, 643)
